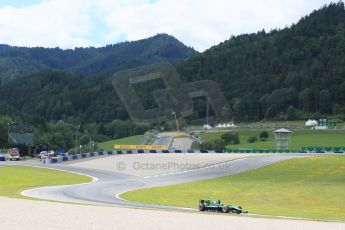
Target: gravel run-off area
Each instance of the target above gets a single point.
(19, 214)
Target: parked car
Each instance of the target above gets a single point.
(42, 154)
(2, 157)
(13, 154)
(45, 154)
(61, 152)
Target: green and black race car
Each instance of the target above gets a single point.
(217, 206)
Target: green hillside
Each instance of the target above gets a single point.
(295, 73)
(16, 62)
(291, 73)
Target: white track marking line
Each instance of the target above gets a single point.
(193, 170)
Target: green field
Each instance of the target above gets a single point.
(299, 139)
(301, 124)
(310, 188)
(15, 179)
(278, 123)
(108, 145)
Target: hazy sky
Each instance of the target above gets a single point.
(198, 23)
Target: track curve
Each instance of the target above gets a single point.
(108, 185)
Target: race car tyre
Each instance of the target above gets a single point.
(202, 207)
(235, 211)
(226, 209)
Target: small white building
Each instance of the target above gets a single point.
(226, 125)
(206, 127)
(311, 123)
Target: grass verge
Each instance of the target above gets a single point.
(15, 179)
(132, 140)
(310, 188)
(299, 139)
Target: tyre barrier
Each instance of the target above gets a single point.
(59, 159)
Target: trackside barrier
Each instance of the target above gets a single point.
(324, 149)
(303, 150)
(59, 159)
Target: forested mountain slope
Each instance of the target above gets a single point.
(17, 62)
(295, 72)
(288, 73)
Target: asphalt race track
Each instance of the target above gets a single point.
(163, 140)
(105, 189)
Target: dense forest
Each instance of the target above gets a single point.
(16, 62)
(57, 90)
(292, 73)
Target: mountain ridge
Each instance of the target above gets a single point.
(292, 73)
(16, 62)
